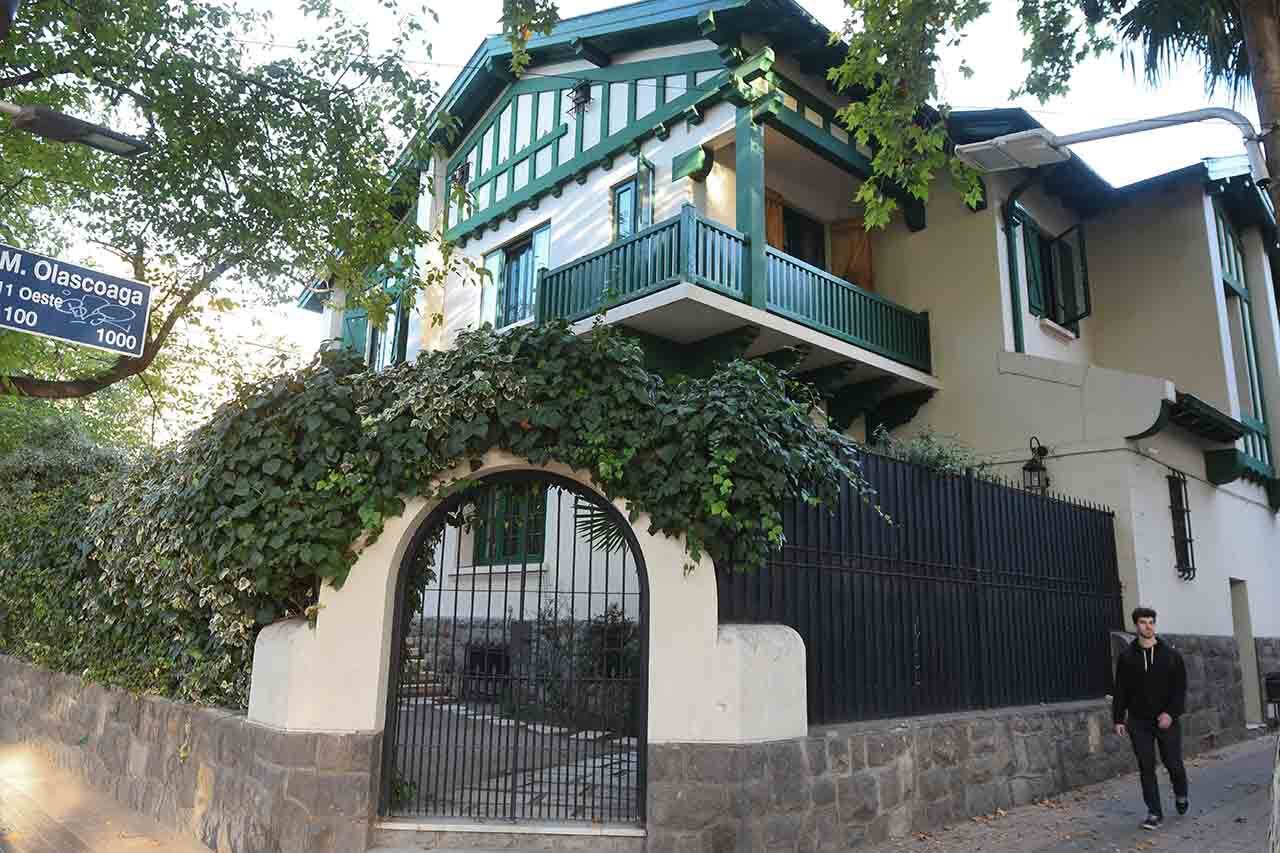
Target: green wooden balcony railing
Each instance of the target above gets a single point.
(821, 301)
(691, 248)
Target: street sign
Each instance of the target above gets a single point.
(54, 299)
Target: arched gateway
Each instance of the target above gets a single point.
(519, 659)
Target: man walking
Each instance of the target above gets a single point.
(1150, 697)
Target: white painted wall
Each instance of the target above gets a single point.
(705, 683)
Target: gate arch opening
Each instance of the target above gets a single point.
(519, 659)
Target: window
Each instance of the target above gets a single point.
(1180, 508)
(633, 202)
(1057, 276)
(511, 294)
(624, 210)
(1244, 351)
(510, 525)
(390, 345)
(804, 238)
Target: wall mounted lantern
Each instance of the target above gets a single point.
(1035, 477)
(580, 97)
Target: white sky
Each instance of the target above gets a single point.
(1102, 91)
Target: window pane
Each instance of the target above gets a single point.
(624, 211)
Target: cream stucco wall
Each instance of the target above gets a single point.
(1155, 304)
(705, 683)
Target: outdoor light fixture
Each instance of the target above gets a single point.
(1040, 147)
(1035, 477)
(60, 127)
(580, 97)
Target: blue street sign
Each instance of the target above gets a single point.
(54, 299)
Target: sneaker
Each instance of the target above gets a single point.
(1152, 822)
(1182, 804)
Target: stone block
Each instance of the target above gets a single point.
(890, 787)
(838, 755)
(816, 754)
(667, 763)
(287, 749)
(345, 753)
(981, 798)
(686, 806)
(139, 757)
(750, 799)
(934, 784)
(858, 797)
(721, 838)
(716, 763)
(885, 747)
(782, 831)
(823, 792)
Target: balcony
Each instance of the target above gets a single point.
(703, 264)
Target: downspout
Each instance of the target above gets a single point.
(1015, 291)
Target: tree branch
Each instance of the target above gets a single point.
(124, 366)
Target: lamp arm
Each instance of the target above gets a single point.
(1252, 142)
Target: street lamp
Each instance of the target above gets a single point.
(60, 127)
(1040, 147)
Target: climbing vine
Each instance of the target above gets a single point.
(157, 574)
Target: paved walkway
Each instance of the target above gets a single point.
(1230, 813)
(43, 810)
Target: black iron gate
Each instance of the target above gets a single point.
(519, 658)
(978, 594)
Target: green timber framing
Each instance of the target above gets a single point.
(471, 116)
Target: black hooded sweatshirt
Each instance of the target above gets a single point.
(1149, 682)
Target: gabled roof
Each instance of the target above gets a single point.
(635, 26)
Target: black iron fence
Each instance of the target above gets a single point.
(939, 593)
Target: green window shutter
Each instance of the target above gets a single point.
(1035, 275)
(1073, 277)
(355, 330)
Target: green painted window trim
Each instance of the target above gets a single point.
(532, 541)
(1235, 285)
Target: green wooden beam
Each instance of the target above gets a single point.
(749, 168)
(695, 163)
(696, 360)
(584, 49)
(893, 412)
(1223, 466)
(830, 379)
(788, 358)
(853, 401)
(756, 66)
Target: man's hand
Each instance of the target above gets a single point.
(1122, 730)
(1164, 721)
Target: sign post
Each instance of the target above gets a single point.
(54, 299)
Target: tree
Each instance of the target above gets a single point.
(263, 174)
(894, 52)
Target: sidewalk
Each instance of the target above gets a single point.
(1230, 813)
(44, 810)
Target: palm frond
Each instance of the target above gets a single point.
(597, 526)
(1210, 32)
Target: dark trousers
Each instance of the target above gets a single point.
(1147, 737)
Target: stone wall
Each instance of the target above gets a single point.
(864, 782)
(1215, 690)
(1268, 661)
(236, 786)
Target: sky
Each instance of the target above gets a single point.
(1102, 92)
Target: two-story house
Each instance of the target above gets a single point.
(677, 168)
